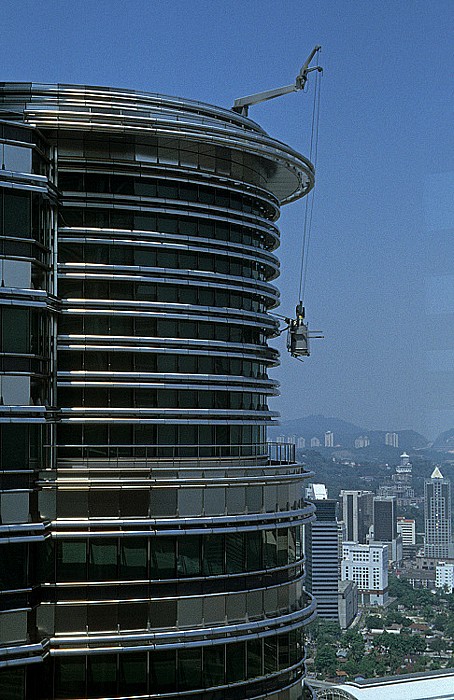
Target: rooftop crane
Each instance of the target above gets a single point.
(298, 332)
(243, 103)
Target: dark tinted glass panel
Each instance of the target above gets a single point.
(270, 654)
(14, 446)
(162, 558)
(270, 549)
(15, 330)
(235, 662)
(133, 558)
(13, 571)
(103, 560)
(70, 677)
(283, 655)
(17, 214)
(71, 560)
(133, 674)
(189, 669)
(254, 658)
(214, 665)
(162, 671)
(213, 555)
(254, 553)
(189, 556)
(234, 552)
(102, 675)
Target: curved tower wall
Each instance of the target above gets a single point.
(171, 560)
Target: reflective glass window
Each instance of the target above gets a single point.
(189, 669)
(213, 665)
(270, 654)
(103, 560)
(162, 558)
(253, 550)
(133, 673)
(71, 560)
(213, 555)
(17, 214)
(13, 572)
(189, 556)
(102, 674)
(133, 558)
(254, 658)
(15, 330)
(234, 552)
(270, 549)
(14, 445)
(235, 662)
(70, 676)
(163, 671)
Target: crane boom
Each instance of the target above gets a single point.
(243, 103)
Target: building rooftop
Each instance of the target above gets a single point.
(434, 685)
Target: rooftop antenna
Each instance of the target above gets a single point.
(243, 103)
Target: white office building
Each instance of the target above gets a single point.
(406, 527)
(367, 566)
(444, 576)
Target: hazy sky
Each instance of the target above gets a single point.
(381, 277)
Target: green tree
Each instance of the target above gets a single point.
(325, 660)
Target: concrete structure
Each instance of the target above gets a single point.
(321, 549)
(433, 685)
(437, 516)
(153, 544)
(367, 566)
(362, 441)
(315, 442)
(301, 443)
(348, 603)
(357, 514)
(444, 576)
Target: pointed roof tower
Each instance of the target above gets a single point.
(436, 474)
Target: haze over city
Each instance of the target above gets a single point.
(380, 282)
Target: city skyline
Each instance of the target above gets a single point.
(381, 245)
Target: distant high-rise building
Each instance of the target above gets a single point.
(280, 439)
(437, 516)
(315, 442)
(385, 518)
(329, 438)
(301, 443)
(357, 514)
(362, 441)
(322, 558)
(406, 527)
(392, 439)
(367, 566)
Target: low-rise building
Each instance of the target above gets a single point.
(444, 576)
(367, 566)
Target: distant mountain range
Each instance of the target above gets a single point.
(445, 441)
(345, 433)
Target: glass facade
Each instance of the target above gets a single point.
(154, 545)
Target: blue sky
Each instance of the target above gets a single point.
(380, 272)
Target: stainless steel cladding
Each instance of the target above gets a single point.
(169, 561)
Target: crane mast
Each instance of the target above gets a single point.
(241, 105)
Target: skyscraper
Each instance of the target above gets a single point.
(437, 516)
(153, 546)
(322, 556)
(385, 518)
(357, 514)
